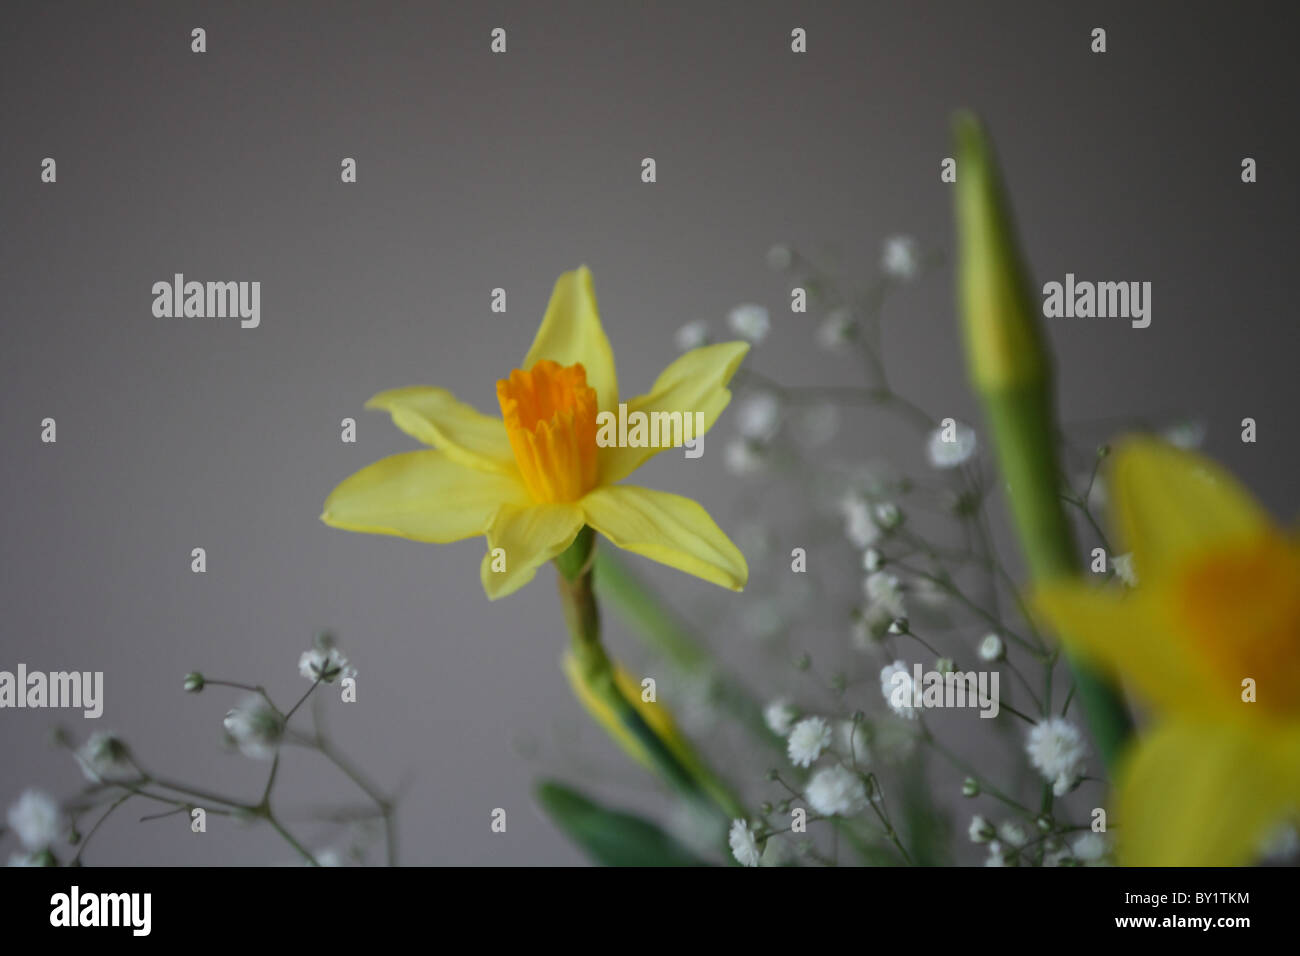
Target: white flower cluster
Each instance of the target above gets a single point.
(1056, 749)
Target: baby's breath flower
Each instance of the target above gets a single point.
(836, 330)
(981, 831)
(945, 454)
(851, 741)
(1187, 435)
(1012, 834)
(900, 258)
(1089, 849)
(808, 739)
(887, 516)
(744, 845)
(750, 322)
(992, 648)
(744, 458)
(36, 820)
(872, 560)
(104, 758)
(884, 590)
(836, 791)
(1056, 749)
(885, 609)
(39, 858)
(255, 727)
(779, 716)
(997, 854)
(325, 664)
(859, 522)
(194, 682)
(758, 416)
(897, 686)
(692, 335)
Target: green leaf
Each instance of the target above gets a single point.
(611, 837)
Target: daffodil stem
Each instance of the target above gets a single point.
(582, 614)
(645, 612)
(1023, 424)
(1011, 367)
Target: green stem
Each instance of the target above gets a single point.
(1012, 370)
(582, 614)
(658, 627)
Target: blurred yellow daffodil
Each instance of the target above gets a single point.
(532, 479)
(1210, 637)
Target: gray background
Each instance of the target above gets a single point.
(479, 171)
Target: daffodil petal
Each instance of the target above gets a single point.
(435, 417)
(571, 332)
(669, 529)
(1195, 794)
(1173, 505)
(695, 382)
(1128, 634)
(528, 536)
(422, 495)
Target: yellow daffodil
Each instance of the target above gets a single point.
(532, 479)
(1210, 637)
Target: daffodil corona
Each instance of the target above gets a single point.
(532, 479)
(1210, 637)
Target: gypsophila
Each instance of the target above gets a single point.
(885, 605)
(807, 740)
(744, 458)
(749, 322)
(981, 831)
(997, 854)
(255, 727)
(887, 516)
(851, 740)
(779, 716)
(900, 259)
(836, 330)
(104, 758)
(836, 791)
(859, 522)
(944, 454)
(1089, 849)
(1056, 750)
(36, 820)
(744, 845)
(1012, 834)
(992, 648)
(325, 664)
(758, 416)
(897, 686)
